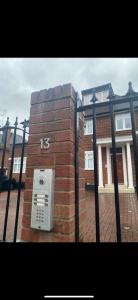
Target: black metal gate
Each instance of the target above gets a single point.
(4, 140)
(115, 104)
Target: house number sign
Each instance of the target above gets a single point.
(45, 143)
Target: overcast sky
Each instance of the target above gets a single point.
(19, 77)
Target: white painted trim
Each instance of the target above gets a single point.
(124, 129)
(88, 133)
(100, 166)
(127, 138)
(86, 162)
(85, 126)
(17, 161)
(129, 166)
(109, 167)
(124, 165)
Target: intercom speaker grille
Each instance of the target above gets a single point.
(42, 199)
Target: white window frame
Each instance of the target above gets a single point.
(86, 128)
(123, 117)
(87, 99)
(102, 96)
(16, 165)
(24, 164)
(87, 153)
(17, 162)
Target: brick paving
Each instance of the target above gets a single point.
(11, 215)
(128, 216)
(128, 212)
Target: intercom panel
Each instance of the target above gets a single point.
(43, 199)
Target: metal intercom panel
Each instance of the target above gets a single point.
(43, 199)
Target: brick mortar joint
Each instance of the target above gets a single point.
(47, 232)
(57, 178)
(51, 143)
(52, 121)
(53, 111)
(53, 99)
(72, 219)
(55, 131)
(64, 205)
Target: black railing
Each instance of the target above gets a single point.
(5, 139)
(115, 103)
(76, 163)
(96, 173)
(25, 124)
(117, 208)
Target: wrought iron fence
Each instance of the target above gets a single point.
(4, 132)
(116, 103)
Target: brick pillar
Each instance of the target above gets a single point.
(52, 116)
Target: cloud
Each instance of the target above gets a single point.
(19, 77)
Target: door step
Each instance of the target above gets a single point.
(109, 188)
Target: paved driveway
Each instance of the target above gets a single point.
(11, 217)
(128, 212)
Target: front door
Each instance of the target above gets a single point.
(119, 166)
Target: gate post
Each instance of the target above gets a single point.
(52, 116)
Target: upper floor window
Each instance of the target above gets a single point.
(123, 122)
(87, 99)
(89, 161)
(88, 129)
(101, 96)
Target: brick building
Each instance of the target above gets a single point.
(53, 118)
(125, 159)
(7, 150)
(17, 155)
(123, 133)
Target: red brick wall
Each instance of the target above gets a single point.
(52, 115)
(85, 205)
(6, 161)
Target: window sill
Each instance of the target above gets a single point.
(123, 129)
(88, 133)
(98, 101)
(18, 172)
